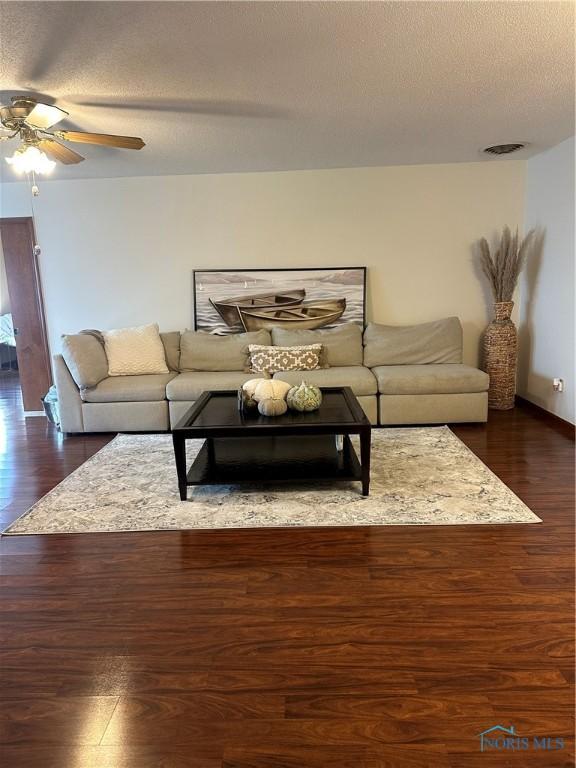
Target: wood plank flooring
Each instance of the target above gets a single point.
(349, 648)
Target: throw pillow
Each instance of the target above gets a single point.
(135, 351)
(273, 359)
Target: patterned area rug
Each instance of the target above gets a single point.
(420, 476)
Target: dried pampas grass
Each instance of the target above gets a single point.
(503, 269)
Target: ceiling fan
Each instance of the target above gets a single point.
(29, 120)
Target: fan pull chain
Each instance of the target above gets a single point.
(34, 188)
(35, 192)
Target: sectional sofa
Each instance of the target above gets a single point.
(400, 374)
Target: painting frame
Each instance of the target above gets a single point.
(288, 274)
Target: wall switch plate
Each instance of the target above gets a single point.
(558, 385)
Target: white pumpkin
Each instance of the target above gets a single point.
(271, 389)
(272, 406)
(250, 386)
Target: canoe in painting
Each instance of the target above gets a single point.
(303, 317)
(228, 309)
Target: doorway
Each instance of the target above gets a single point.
(24, 327)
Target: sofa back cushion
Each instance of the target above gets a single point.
(341, 345)
(85, 357)
(201, 351)
(171, 342)
(437, 342)
(135, 351)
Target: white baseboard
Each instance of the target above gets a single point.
(34, 413)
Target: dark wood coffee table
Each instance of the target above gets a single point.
(246, 448)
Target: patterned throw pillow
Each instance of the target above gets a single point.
(273, 359)
(135, 351)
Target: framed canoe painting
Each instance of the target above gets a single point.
(237, 300)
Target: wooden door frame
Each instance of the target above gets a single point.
(38, 299)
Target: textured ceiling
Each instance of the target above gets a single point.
(255, 86)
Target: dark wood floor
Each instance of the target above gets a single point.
(352, 647)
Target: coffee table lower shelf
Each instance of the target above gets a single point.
(274, 460)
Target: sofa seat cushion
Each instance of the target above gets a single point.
(358, 378)
(190, 385)
(429, 379)
(149, 387)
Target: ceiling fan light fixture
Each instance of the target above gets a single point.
(29, 159)
(45, 116)
(41, 149)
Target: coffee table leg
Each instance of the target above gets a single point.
(180, 457)
(365, 443)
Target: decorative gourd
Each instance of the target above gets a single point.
(246, 402)
(270, 389)
(304, 397)
(272, 406)
(250, 386)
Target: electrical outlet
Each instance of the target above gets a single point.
(558, 385)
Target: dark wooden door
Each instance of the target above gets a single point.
(27, 310)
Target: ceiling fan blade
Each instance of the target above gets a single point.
(45, 115)
(209, 107)
(104, 139)
(58, 152)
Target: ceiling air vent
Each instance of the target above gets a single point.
(503, 149)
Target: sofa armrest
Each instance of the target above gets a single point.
(69, 400)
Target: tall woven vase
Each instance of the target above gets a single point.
(500, 357)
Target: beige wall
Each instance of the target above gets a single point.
(547, 290)
(117, 252)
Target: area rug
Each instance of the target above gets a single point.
(420, 476)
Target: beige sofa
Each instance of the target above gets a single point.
(400, 374)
